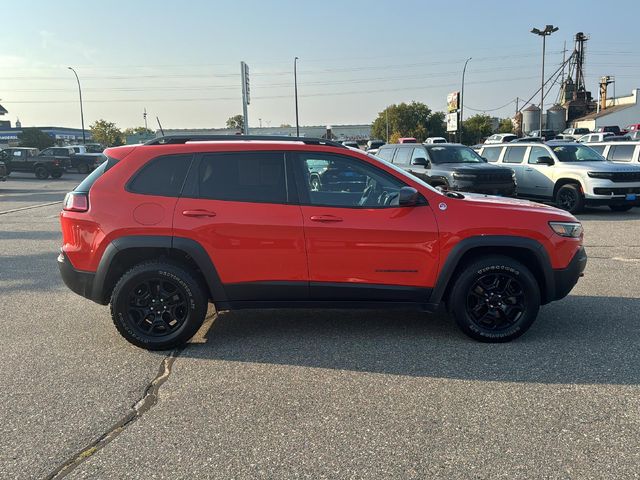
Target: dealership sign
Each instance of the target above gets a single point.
(453, 102)
(452, 122)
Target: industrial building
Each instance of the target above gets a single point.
(620, 111)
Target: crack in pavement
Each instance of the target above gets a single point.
(148, 400)
(30, 207)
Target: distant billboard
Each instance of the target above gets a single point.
(452, 122)
(453, 102)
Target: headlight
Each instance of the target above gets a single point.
(567, 229)
(604, 175)
(464, 176)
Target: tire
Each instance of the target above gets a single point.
(141, 289)
(56, 174)
(570, 198)
(83, 168)
(41, 173)
(620, 208)
(484, 291)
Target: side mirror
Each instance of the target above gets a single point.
(421, 161)
(408, 196)
(545, 161)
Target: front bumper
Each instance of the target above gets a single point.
(566, 278)
(502, 189)
(78, 281)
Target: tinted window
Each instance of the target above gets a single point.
(86, 184)
(514, 155)
(48, 151)
(348, 182)
(402, 156)
(491, 154)
(386, 153)
(418, 153)
(621, 153)
(245, 177)
(162, 176)
(536, 153)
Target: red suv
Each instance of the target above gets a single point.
(162, 229)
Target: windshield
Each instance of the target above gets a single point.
(453, 154)
(576, 153)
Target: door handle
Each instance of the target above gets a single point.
(198, 213)
(325, 218)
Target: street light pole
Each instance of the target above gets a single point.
(84, 140)
(295, 86)
(548, 30)
(462, 98)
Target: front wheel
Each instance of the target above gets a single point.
(495, 299)
(569, 197)
(41, 173)
(56, 174)
(158, 305)
(620, 208)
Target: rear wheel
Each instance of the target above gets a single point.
(41, 173)
(569, 197)
(620, 208)
(158, 305)
(83, 168)
(495, 299)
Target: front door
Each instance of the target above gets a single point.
(243, 214)
(540, 176)
(361, 245)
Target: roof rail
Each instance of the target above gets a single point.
(179, 139)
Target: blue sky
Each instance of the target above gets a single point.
(180, 60)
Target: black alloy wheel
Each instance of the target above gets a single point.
(41, 173)
(496, 301)
(570, 198)
(158, 305)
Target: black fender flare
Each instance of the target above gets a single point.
(453, 260)
(185, 245)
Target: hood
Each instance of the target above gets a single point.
(605, 166)
(473, 167)
(515, 204)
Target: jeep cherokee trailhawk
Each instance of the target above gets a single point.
(160, 230)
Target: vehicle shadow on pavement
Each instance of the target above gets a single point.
(41, 275)
(582, 340)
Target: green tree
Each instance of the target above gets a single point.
(137, 131)
(506, 126)
(413, 119)
(106, 133)
(476, 128)
(36, 138)
(236, 122)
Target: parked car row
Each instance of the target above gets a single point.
(51, 162)
(571, 175)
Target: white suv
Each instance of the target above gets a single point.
(500, 138)
(569, 174)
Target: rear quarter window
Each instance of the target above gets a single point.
(88, 182)
(163, 176)
(621, 153)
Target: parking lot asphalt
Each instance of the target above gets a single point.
(318, 394)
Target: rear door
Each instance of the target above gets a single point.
(242, 208)
(360, 244)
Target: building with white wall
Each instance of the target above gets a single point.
(621, 111)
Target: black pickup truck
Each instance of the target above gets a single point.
(24, 159)
(81, 162)
(3, 172)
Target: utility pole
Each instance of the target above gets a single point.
(84, 140)
(144, 115)
(548, 30)
(462, 99)
(387, 115)
(295, 86)
(246, 98)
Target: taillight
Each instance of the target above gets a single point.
(76, 202)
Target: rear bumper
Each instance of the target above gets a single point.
(566, 278)
(78, 281)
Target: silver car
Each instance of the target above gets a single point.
(570, 175)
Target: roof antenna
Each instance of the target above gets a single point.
(160, 125)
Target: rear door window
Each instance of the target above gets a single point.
(514, 155)
(621, 153)
(403, 155)
(258, 177)
(163, 176)
(598, 148)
